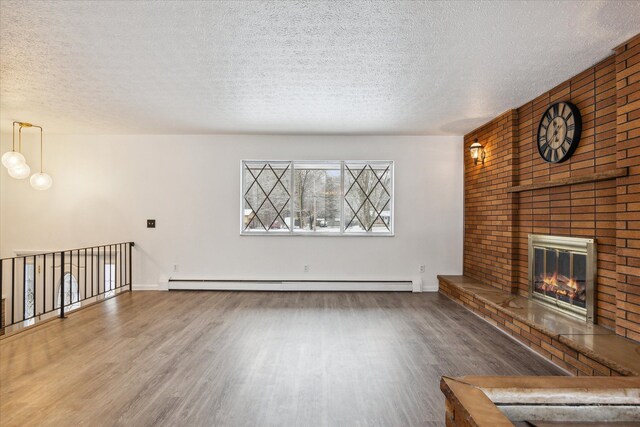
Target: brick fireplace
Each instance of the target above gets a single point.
(593, 195)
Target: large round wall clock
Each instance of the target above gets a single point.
(559, 132)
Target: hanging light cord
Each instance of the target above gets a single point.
(40, 127)
(20, 126)
(13, 142)
(25, 125)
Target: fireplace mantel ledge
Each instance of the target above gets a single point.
(592, 177)
(595, 342)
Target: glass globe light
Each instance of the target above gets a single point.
(20, 171)
(12, 158)
(41, 181)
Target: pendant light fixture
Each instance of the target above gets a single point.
(20, 171)
(41, 181)
(13, 158)
(17, 166)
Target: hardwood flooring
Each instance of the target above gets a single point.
(251, 359)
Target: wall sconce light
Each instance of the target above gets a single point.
(17, 165)
(477, 152)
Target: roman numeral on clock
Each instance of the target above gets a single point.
(544, 147)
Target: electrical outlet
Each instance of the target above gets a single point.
(151, 223)
(421, 268)
(175, 267)
(307, 268)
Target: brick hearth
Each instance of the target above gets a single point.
(569, 343)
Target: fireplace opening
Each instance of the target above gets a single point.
(561, 275)
(562, 272)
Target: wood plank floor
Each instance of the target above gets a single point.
(251, 359)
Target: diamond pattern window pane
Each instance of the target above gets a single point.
(266, 196)
(367, 197)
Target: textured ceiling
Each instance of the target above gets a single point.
(388, 67)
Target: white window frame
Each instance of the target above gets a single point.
(342, 232)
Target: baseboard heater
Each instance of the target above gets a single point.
(294, 285)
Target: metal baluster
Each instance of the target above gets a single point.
(85, 273)
(93, 273)
(112, 284)
(44, 283)
(24, 288)
(114, 278)
(117, 265)
(78, 276)
(99, 268)
(13, 289)
(120, 275)
(35, 287)
(53, 282)
(62, 285)
(130, 267)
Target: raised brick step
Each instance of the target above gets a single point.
(568, 342)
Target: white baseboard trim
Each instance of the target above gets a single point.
(151, 287)
(406, 286)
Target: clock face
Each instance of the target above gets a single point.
(559, 132)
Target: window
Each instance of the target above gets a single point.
(30, 292)
(316, 204)
(109, 277)
(317, 197)
(71, 293)
(367, 197)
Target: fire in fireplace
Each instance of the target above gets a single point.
(561, 273)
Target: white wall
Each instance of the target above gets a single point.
(106, 186)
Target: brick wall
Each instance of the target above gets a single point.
(628, 189)
(582, 210)
(497, 223)
(489, 209)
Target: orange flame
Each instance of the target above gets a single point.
(560, 285)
